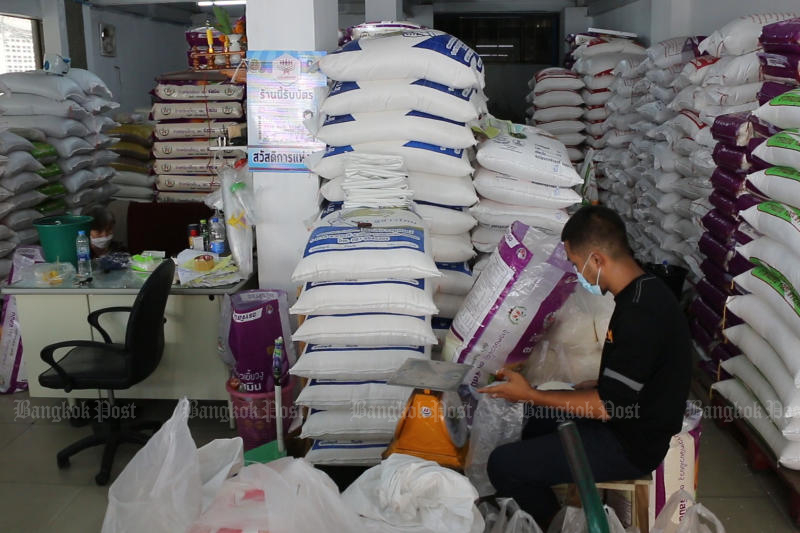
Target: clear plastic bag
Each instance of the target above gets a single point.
(238, 223)
(698, 518)
(573, 520)
(512, 519)
(496, 422)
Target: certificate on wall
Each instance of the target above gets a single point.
(283, 88)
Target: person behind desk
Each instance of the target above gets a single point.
(626, 417)
(102, 231)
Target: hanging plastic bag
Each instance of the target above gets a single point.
(573, 520)
(697, 519)
(496, 422)
(239, 218)
(512, 519)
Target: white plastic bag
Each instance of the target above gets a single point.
(573, 520)
(512, 519)
(697, 519)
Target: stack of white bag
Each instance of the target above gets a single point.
(367, 300)
(557, 107)
(523, 175)
(62, 162)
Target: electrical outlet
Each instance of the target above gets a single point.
(108, 40)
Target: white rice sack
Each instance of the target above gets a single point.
(197, 110)
(100, 141)
(593, 114)
(748, 407)
(781, 184)
(418, 156)
(190, 166)
(174, 197)
(427, 54)
(560, 127)
(433, 188)
(191, 130)
(570, 139)
(564, 81)
(451, 248)
(552, 114)
(342, 425)
(124, 177)
(740, 36)
(348, 453)
(50, 126)
(345, 98)
(134, 192)
(19, 161)
(778, 221)
(761, 317)
(492, 213)
(5, 194)
(486, 238)
(82, 198)
(734, 71)
(531, 157)
(509, 190)
(783, 111)
(603, 63)
(448, 304)
(405, 297)
(597, 129)
(670, 52)
(782, 149)
(96, 104)
(526, 280)
(694, 72)
(456, 278)
(557, 99)
(445, 220)
(89, 82)
(38, 83)
(338, 395)
(22, 219)
(764, 250)
(30, 104)
(22, 182)
(763, 356)
(354, 362)
(187, 183)
(575, 154)
(80, 180)
(70, 146)
(720, 95)
(182, 149)
(99, 123)
(211, 92)
(11, 142)
(27, 199)
(776, 290)
(359, 128)
(594, 98)
(366, 329)
(594, 83)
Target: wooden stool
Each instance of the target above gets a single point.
(638, 490)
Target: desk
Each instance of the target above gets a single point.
(190, 365)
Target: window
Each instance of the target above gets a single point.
(20, 49)
(508, 37)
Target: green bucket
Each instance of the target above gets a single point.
(58, 234)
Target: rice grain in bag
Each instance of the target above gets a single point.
(528, 278)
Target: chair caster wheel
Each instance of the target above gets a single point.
(102, 478)
(62, 463)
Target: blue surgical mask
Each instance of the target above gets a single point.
(591, 289)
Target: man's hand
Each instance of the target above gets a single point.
(588, 384)
(515, 388)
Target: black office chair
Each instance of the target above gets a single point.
(109, 366)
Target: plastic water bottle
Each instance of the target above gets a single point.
(217, 235)
(84, 256)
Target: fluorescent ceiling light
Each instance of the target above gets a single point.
(222, 3)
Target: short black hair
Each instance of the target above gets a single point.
(596, 225)
(102, 218)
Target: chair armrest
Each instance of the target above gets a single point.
(94, 319)
(47, 357)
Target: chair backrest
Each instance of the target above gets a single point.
(144, 337)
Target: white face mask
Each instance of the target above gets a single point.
(101, 243)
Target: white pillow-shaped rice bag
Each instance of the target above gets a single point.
(346, 98)
(456, 278)
(534, 157)
(782, 111)
(70, 146)
(187, 183)
(593, 98)
(776, 290)
(552, 114)
(190, 165)
(670, 52)
(359, 128)
(31, 104)
(557, 99)
(782, 149)
(348, 453)
(418, 156)
(181, 149)
(509, 190)
(737, 70)
(80, 180)
(338, 253)
(99, 123)
(11, 142)
(366, 329)
(781, 184)
(196, 110)
(51, 126)
(192, 130)
(408, 297)
(445, 220)
(427, 54)
(449, 304)
(5, 194)
(721, 95)
(22, 182)
(694, 72)
(763, 356)
(603, 63)
(761, 317)
(41, 84)
(594, 83)
(778, 221)
(354, 362)
(570, 139)
(741, 368)
(491, 213)
(486, 238)
(451, 248)
(596, 113)
(433, 188)
(104, 157)
(333, 395)
(211, 92)
(22, 219)
(341, 425)
(576, 155)
(560, 127)
(96, 104)
(19, 161)
(765, 250)
(740, 36)
(124, 177)
(598, 46)
(559, 82)
(89, 82)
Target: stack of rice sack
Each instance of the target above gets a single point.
(134, 177)
(523, 175)
(411, 95)
(779, 61)
(190, 117)
(557, 107)
(767, 375)
(66, 167)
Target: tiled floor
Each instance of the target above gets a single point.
(36, 496)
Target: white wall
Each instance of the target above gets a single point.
(24, 8)
(145, 49)
(634, 17)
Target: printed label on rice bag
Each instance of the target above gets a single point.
(782, 286)
(337, 239)
(791, 98)
(341, 87)
(415, 283)
(420, 114)
(464, 94)
(413, 350)
(458, 153)
(785, 212)
(448, 46)
(455, 267)
(785, 140)
(783, 172)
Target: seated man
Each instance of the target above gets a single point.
(628, 415)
